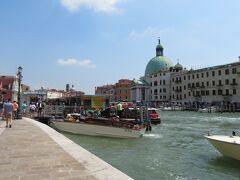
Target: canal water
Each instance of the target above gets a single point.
(176, 149)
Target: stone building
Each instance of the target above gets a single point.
(217, 85)
(8, 88)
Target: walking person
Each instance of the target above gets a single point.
(24, 108)
(8, 111)
(15, 108)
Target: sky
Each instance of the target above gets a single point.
(89, 43)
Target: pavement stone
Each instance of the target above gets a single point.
(30, 150)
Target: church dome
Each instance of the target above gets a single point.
(159, 62)
(156, 64)
(178, 66)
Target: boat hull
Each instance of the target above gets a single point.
(227, 145)
(97, 130)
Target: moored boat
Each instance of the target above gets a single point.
(100, 127)
(208, 110)
(227, 145)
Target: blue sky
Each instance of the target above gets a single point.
(90, 43)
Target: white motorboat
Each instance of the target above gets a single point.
(227, 145)
(208, 110)
(100, 127)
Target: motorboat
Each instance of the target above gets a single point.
(227, 145)
(98, 126)
(211, 109)
(154, 116)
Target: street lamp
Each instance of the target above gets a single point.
(19, 75)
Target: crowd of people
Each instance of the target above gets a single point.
(9, 110)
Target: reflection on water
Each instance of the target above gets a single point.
(176, 149)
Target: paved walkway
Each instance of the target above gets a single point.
(31, 150)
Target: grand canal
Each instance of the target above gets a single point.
(176, 149)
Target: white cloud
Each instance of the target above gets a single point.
(72, 62)
(151, 31)
(97, 5)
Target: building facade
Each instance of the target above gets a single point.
(8, 88)
(174, 85)
(218, 85)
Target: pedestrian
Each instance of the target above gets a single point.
(24, 108)
(1, 109)
(15, 108)
(32, 108)
(119, 110)
(40, 107)
(8, 111)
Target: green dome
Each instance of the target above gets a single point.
(156, 64)
(178, 66)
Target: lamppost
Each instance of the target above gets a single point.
(19, 75)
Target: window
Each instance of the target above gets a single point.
(234, 91)
(197, 76)
(189, 93)
(234, 70)
(207, 74)
(184, 77)
(184, 87)
(202, 84)
(160, 82)
(213, 73)
(213, 92)
(164, 82)
(160, 90)
(213, 83)
(202, 75)
(164, 89)
(226, 81)
(172, 79)
(193, 76)
(155, 91)
(226, 71)
(207, 93)
(219, 72)
(188, 77)
(207, 83)
(219, 92)
(155, 83)
(227, 91)
(234, 81)
(219, 82)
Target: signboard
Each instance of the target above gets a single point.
(98, 102)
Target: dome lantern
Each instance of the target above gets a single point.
(159, 49)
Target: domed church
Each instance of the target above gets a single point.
(158, 63)
(154, 86)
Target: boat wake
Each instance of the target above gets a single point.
(153, 136)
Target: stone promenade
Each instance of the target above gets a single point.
(31, 150)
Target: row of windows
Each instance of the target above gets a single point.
(207, 74)
(161, 82)
(160, 97)
(203, 84)
(155, 75)
(227, 92)
(160, 91)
